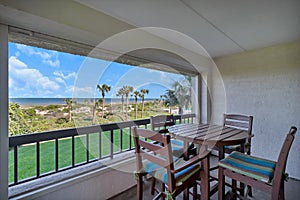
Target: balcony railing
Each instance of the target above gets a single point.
(92, 143)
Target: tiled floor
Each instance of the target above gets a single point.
(291, 191)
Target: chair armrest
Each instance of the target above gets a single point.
(192, 161)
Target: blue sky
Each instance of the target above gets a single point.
(41, 73)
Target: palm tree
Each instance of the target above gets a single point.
(142, 95)
(95, 106)
(103, 89)
(127, 90)
(121, 93)
(69, 103)
(182, 91)
(156, 104)
(170, 99)
(162, 99)
(136, 95)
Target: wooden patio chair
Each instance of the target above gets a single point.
(257, 172)
(175, 174)
(242, 122)
(160, 124)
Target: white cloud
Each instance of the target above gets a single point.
(163, 75)
(28, 81)
(17, 64)
(60, 80)
(10, 82)
(43, 55)
(150, 70)
(60, 74)
(50, 58)
(52, 63)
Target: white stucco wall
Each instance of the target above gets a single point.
(264, 83)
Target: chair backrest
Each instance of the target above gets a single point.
(159, 153)
(160, 123)
(282, 158)
(242, 122)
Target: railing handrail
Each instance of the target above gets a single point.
(52, 135)
(63, 133)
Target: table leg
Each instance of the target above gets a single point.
(242, 185)
(185, 150)
(204, 175)
(221, 152)
(243, 148)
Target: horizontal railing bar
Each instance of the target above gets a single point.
(52, 172)
(184, 116)
(57, 134)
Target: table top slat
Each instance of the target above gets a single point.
(226, 135)
(216, 134)
(199, 133)
(203, 130)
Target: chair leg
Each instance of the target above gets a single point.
(249, 192)
(221, 184)
(163, 188)
(204, 176)
(140, 187)
(281, 191)
(234, 190)
(186, 194)
(242, 187)
(153, 185)
(195, 191)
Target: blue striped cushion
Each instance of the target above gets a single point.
(161, 172)
(257, 168)
(177, 147)
(177, 142)
(150, 167)
(233, 147)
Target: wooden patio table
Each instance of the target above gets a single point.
(208, 136)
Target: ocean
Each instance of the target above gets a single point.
(47, 101)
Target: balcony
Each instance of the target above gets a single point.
(109, 175)
(255, 53)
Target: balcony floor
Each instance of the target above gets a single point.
(291, 190)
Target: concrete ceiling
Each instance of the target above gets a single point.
(221, 27)
(61, 18)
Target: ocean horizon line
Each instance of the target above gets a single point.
(47, 101)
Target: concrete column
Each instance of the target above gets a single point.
(4, 111)
(204, 96)
(196, 97)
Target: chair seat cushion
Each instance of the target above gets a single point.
(177, 147)
(177, 142)
(160, 173)
(233, 147)
(257, 168)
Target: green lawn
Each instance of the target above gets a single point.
(27, 153)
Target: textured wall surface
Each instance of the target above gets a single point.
(265, 83)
